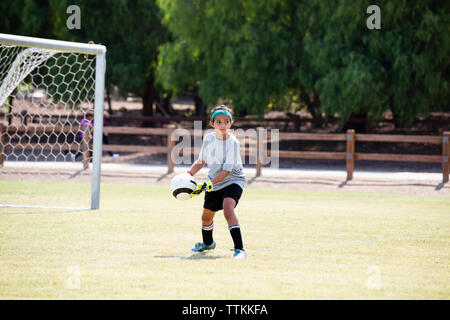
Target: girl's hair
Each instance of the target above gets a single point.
(220, 107)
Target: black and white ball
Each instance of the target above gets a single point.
(182, 185)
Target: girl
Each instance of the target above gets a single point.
(220, 151)
(82, 140)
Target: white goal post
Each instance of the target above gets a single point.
(49, 90)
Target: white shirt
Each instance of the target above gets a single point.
(223, 155)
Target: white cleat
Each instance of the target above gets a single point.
(239, 254)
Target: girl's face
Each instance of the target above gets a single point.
(221, 123)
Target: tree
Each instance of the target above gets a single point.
(177, 71)
(11, 16)
(28, 18)
(250, 53)
(242, 52)
(132, 32)
(403, 67)
(130, 29)
(255, 54)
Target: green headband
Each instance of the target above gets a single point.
(219, 112)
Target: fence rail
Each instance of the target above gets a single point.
(350, 155)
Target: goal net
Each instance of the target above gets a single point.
(51, 122)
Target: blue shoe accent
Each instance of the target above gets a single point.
(200, 246)
(239, 254)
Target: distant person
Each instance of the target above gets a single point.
(86, 126)
(83, 138)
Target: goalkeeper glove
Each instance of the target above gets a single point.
(206, 186)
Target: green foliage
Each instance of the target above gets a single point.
(264, 55)
(11, 16)
(177, 67)
(131, 31)
(243, 52)
(28, 17)
(402, 67)
(255, 54)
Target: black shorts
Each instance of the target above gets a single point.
(214, 199)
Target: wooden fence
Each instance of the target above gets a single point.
(350, 156)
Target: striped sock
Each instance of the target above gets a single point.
(237, 237)
(207, 233)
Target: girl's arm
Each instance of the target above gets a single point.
(196, 167)
(222, 175)
(209, 185)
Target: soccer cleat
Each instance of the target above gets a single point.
(73, 157)
(115, 156)
(200, 246)
(239, 254)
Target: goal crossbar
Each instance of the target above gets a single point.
(63, 46)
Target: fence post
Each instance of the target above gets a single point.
(170, 146)
(2, 143)
(350, 155)
(259, 150)
(445, 155)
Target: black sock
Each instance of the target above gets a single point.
(207, 233)
(237, 237)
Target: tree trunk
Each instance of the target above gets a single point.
(398, 121)
(108, 99)
(200, 106)
(165, 103)
(150, 95)
(358, 122)
(312, 102)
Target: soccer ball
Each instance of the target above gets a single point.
(182, 185)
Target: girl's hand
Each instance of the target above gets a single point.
(206, 186)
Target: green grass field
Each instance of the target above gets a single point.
(300, 245)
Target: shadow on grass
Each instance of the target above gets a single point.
(195, 256)
(77, 173)
(345, 183)
(440, 185)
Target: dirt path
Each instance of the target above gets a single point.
(281, 179)
(288, 179)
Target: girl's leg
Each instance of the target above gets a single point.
(208, 226)
(208, 217)
(228, 211)
(233, 224)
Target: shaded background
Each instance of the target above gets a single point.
(287, 55)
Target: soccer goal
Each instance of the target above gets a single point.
(51, 122)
